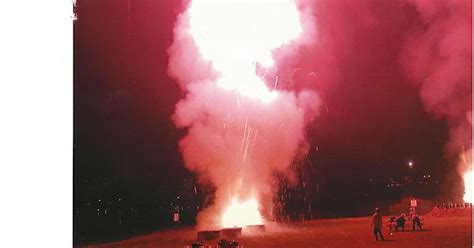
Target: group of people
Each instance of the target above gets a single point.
(394, 223)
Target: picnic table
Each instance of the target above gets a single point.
(392, 225)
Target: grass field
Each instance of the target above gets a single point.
(454, 232)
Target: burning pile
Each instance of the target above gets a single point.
(240, 132)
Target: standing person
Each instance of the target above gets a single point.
(416, 222)
(412, 213)
(391, 224)
(400, 222)
(377, 220)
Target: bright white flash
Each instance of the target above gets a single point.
(234, 35)
(239, 214)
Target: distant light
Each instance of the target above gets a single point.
(411, 164)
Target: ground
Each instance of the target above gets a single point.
(452, 232)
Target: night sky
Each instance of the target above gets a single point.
(372, 123)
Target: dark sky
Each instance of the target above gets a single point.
(123, 98)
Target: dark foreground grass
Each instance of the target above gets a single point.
(452, 232)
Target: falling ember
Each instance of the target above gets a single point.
(468, 185)
(240, 214)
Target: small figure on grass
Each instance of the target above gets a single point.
(416, 222)
(400, 222)
(377, 221)
(391, 224)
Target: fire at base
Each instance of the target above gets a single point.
(240, 214)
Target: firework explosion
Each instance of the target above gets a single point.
(240, 131)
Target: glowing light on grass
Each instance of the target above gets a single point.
(240, 214)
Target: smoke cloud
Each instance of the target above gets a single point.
(237, 143)
(437, 59)
(234, 141)
(377, 44)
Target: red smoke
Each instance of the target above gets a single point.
(437, 59)
(425, 42)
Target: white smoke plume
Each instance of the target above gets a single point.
(235, 141)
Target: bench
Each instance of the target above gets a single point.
(408, 225)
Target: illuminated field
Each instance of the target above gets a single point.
(349, 232)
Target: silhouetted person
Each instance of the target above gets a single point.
(391, 223)
(400, 222)
(377, 223)
(416, 222)
(412, 213)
